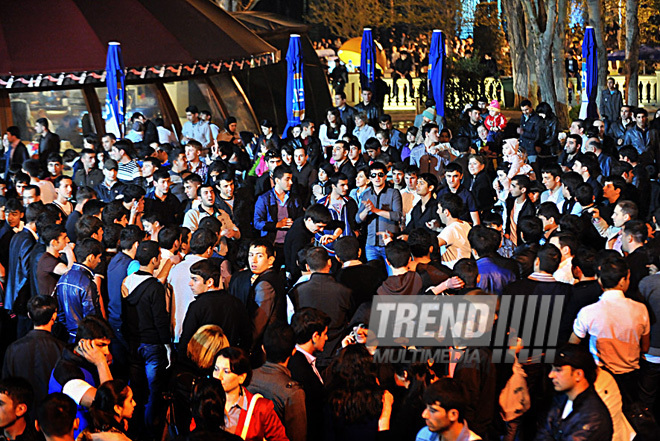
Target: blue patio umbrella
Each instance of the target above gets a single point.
(588, 108)
(367, 59)
(295, 88)
(437, 71)
(114, 100)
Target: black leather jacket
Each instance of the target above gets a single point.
(549, 134)
(588, 421)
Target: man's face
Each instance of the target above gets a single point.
(526, 110)
(338, 153)
(259, 260)
(148, 169)
(319, 340)
(65, 189)
(148, 226)
(474, 166)
(384, 140)
(107, 143)
(88, 161)
(366, 97)
(61, 242)
(190, 189)
(377, 178)
(626, 243)
(20, 187)
(54, 168)
(192, 154)
(547, 223)
(575, 128)
(610, 192)
(10, 411)
(359, 122)
(197, 285)
(600, 125)
(453, 179)
(30, 196)
(14, 218)
(339, 101)
(299, 157)
(577, 167)
(515, 189)
(641, 120)
(397, 176)
(192, 117)
(563, 378)
(571, 146)
(385, 125)
(625, 113)
(354, 153)
(181, 162)
(208, 197)
(373, 153)
(110, 174)
(226, 189)
(273, 163)
(436, 418)
(314, 227)
(610, 84)
(285, 182)
(309, 130)
(474, 116)
(39, 128)
(341, 189)
(433, 135)
(103, 343)
(550, 181)
(94, 261)
(422, 187)
(482, 132)
(411, 181)
(163, 185)
(619, 217)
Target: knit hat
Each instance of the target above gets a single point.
(494, 105)
(430, 113)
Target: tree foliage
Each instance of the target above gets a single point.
(346, 19)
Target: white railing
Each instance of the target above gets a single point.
(647, 89)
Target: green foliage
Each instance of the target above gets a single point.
(345, 19)
(463, 86)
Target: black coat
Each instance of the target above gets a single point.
(482, 190)
(50, 143)
(302, 372)
(532, 130)
(527, 210)
(222, 309)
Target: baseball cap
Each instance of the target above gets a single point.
(575, 356)
(110, 164)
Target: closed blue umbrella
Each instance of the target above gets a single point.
(367, 59)
(437, 71)
(295, 89)
(589, 109)
(114, 100)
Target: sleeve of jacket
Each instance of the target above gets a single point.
(295, 415)
(159, 312)
(397, 207)
(265, 298)
(261, 221)
(88, 299)
(190, 326)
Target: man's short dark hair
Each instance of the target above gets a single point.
(630, 152)
(317, 258)
(523, 181)
(397, 253)
(319, 214)
(93, 327)
(584, 194)
(454, 167)
(590, 161)
(19, 390)
(430, 179)
(14, 131)
(420, 241)
(466, 269)
(33, 211)
(37, 190)
(52, 232)
(531, 229)
(32, 167)
(641, 111)
(85, 193)
(167, 237)
(56, 415)
(263, 243)
(525, 103)
(586, 260)
(133, 192)
(612, 267)
(447, 394)
(206, 270)
(567, 239)
(629, 208)
(637, 229)
(43, 122)
(308, 321)
(192, 109)
(114, 211)
(576, 138)
(552, 168)
(202, 239)
(549, 258)
(334, 179)
(41, 309)
(485, 241)
(146, 251)
(377, 165)
(279, 342)
(87, 247)
(280, 171)
(87, 226)
(130, 235)
(58, 180)
(347, 248)
(549, 211)
(193, 177)
(452, 203)
(426, 128)
(54, 157)
(161, 174)
(571, 180)
(93, 207)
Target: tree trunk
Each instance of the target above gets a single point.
(541, 41)
(597, 22)
(512, 9)
(558, 66)
(632, 51)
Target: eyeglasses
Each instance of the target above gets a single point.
(378, 175)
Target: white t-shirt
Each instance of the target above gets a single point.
(458, 246)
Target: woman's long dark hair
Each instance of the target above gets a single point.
(208, 404)
(353, 391)
(102, 411)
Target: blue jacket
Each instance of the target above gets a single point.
(17, 293)
(265, 212)
(117, 272)
(77, 297)
(637, 138)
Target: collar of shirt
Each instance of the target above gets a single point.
(282, 203)
(541, 277)
(34, 234)
(19, 228)
(612, 294)
(310, 358)
(242, 402)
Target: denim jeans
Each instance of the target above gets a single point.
(374, 252)
(154, 358)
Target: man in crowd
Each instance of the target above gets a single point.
(49, 142)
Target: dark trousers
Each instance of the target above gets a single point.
(649, 379)
(628, 386)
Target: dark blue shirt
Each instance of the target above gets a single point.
(117, 272)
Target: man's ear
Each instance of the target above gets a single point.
(271, 260)
(21, 409)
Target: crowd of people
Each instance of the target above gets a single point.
(221, 288)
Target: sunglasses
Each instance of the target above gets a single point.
(378, 175)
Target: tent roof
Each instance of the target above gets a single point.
(265, 23)
(51, 37)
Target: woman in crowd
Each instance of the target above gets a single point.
(232, 368)
(111, 409)
(207, 404)
(331, 130)
(361, 183)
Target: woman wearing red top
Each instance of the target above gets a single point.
(232, 368)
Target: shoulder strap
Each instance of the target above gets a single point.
(248, 418)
